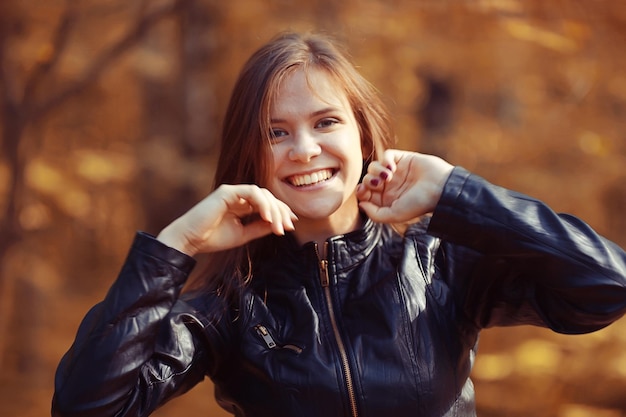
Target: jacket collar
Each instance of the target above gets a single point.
(344, 251)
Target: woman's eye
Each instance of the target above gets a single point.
(327, 122)
(277, 134)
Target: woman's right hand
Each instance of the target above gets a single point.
(215, 223)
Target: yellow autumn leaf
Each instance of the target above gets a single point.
(75, 203)
(47, 179)
(543, 37)
(492, 367)
(581, 410)
(102, 167)
(537, 356)
(593, 144)
(43, 177)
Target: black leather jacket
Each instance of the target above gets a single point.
(387, 326)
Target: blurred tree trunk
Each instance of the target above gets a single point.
(179, 116)
(22, 106)
(12, 129)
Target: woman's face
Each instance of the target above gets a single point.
(316, 152)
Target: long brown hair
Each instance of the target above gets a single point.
(245, 150)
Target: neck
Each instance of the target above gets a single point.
(312, 230)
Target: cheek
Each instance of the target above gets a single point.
(357, 164)
(276, 155)
(361, 148)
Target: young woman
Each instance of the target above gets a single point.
(346, 278)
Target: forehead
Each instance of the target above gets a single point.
(305, 89)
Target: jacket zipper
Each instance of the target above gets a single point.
(271, 343)
(325, 281)
(265, 335)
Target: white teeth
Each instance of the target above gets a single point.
(310, 179)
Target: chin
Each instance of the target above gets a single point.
(324, 210)
(315, 213)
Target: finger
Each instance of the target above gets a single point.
(246, 202)
(242, 208)
(363, 193)
(275, 212)
(376, 213)
(287, 216)
(281, 214)
(383, 173)
(390, 159)
(373, 181)
(256, 229)
(252, 203)
(258, 200)
(266, 207)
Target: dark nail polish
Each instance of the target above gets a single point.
(374, 182)
(384, 175)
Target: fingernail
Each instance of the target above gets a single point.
(389, 167)
(384, 175)
(374, 182)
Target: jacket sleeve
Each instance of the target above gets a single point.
(518, 262)
(137, 348)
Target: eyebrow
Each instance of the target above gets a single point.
(316, 113)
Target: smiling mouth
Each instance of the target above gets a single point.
(310, 179)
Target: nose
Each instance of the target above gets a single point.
(305, 147)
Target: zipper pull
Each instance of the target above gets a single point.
(265, 335)
(325, 280)
(323, 265)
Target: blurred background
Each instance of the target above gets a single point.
(110, 113)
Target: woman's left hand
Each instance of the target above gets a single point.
(402, 186)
